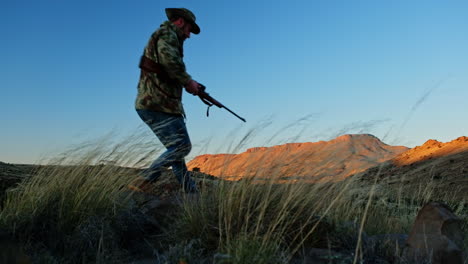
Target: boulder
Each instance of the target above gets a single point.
(436, 237)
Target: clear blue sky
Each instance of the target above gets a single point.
(395, 69)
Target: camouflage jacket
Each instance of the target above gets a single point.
(158, 94)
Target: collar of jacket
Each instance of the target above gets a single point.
(174, 28)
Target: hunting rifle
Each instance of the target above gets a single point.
(148, 65)
(210, 101)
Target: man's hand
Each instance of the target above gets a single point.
(192, 87)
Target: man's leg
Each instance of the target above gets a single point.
(184, 176)
(172, 132)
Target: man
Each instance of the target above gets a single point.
(159, 99)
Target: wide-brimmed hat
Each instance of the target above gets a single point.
(185, 14)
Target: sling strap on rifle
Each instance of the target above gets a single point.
(210, 101)
(208, 104)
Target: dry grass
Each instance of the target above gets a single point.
(239, 221)
(295, 216)
(75, 189)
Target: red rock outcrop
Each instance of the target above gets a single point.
(312, 161)
(431, 149)
(436, 237)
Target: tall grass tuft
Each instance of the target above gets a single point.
(79, 191)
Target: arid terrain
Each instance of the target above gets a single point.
(322, 161)
(444, 165)
(434, 166)
(324, 189)
(333, 160)
(438, 166)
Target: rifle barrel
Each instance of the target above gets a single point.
(208, 100)
(234, 113)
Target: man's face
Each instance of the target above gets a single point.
(187, 28)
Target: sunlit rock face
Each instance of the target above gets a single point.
(430, 150)
(321, 161)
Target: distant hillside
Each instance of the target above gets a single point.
(312, 161)
(437, 166)
(15, 171)
(432, 149)
(12, 174)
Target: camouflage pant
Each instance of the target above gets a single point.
(172, 132)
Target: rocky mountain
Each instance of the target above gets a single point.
(331, 160)
(434, 167)
(432, 149)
